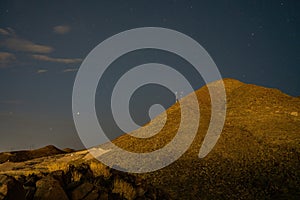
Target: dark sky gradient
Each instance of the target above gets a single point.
(253, 41)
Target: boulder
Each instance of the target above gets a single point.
(103, 196)
(30, 191)
(78, 173)
(11, 189)
(295, 114)
(82, 191)
(94, 194)
(31, 180)
(59, 176)
(48, 188)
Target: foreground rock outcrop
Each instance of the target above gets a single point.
(10, 188)
(78, 183)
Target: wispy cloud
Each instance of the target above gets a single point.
(13, 42)
(6, 59)
(7, 31)
(57, 60)
(18, 44)
(3, 31)
(70, 70)
(41, 71)
(61, 29)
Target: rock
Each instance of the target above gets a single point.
(82, 191)
(72, 185)
(48, 188)
(115, 196)
(151, 194)
(92, 195)
(11, 189)
(59, 176)
(31, 180)
(79, 173)
(103, 196)
(21, 179)
(294, 114)
(124, 189)
(30, 191)
(140, 192)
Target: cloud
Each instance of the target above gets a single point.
(11, 41)
(15, 43)
(18, 44)
(57, 60)
(7, 31)
(40, 71)
(6, 59)
(3, 31)
(61, 29)
(70, 70)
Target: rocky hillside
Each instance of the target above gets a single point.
(256, 157)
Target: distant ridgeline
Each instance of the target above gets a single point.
(20, 156)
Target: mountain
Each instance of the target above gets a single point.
(20, 156)
(256, 157)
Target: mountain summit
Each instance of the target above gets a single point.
(256, 156)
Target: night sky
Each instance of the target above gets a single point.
(42, 44)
